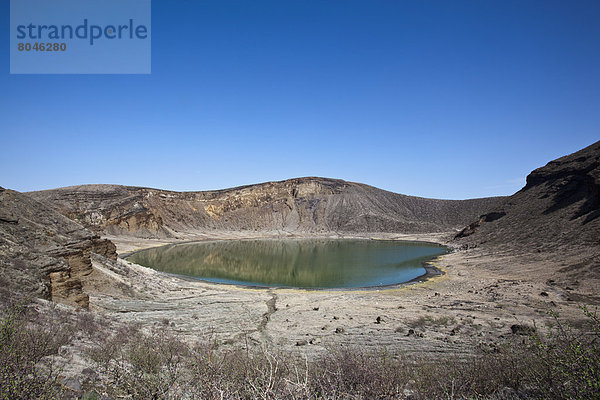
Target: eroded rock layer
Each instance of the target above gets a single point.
(559, 205)
(558, 211)
(44, 253)
(308, 205)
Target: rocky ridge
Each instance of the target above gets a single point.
(44, 253)
(559, 205)
(558, 211)
(301, 205)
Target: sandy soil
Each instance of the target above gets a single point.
(474, 303)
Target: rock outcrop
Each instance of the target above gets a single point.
(44, 253)
(557, 211)
(306, 205)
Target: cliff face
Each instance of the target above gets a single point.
(559, 207)
(44, 253)
(295, 205)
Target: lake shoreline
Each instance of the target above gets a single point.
(172, 257)
(480, 295)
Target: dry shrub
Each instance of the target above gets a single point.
(568, 360)
(140, 366)
(351, 373)
(241, 374)
(564, 364)
(26, 340)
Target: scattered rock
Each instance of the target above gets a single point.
(339, 330)
(9, 219)
(518, 329)
(90, 373)
(545, 294)
(411, 332)
(301, 343)
(72, 384)
(409, 391)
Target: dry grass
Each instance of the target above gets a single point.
(27, 340)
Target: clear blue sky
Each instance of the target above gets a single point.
(444, 99)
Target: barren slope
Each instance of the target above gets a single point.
(533, 252)
(44, 253)
(307, 205)
(558, 211)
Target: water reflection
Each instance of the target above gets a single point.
(309, 263)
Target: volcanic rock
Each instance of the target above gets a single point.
(44, 253)
(303, 205)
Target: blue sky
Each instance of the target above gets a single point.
(443, 99)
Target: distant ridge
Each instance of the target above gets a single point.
(299, 205)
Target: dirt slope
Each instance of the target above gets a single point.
(558, 211)
(301, 205)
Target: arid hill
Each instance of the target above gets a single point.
(559, 205)
(302, 205)
(521, 257)
(556, 216)
(558, 211)
(44, 253)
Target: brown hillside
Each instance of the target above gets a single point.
(558, 211)
(44, 253)
(307, 205)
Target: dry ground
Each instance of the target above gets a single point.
(475, 303)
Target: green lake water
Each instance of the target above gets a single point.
(303, 263)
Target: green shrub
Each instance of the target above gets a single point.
(569, 360)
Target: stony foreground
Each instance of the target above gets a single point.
(476, 302)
